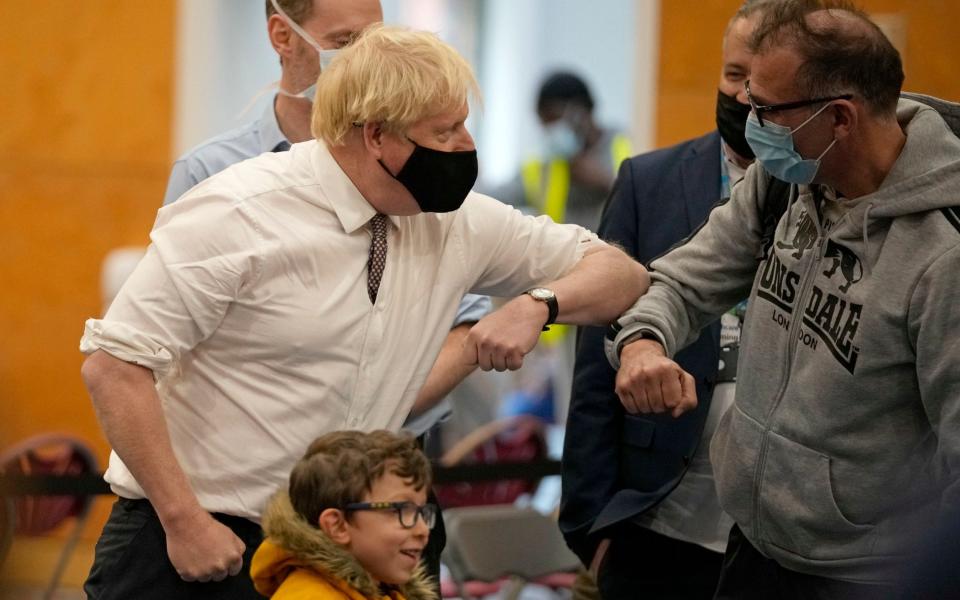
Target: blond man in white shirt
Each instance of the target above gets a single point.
(254, 324)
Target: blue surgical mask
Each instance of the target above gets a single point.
(773, 145)
(326, 55)
(561, 140)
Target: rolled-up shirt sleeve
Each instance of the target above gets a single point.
(510, 252)
(202, 254)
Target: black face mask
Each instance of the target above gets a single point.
(731, 122)
(439, 181)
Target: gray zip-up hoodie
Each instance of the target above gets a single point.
(845, 434)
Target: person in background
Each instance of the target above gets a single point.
(570, 181)
(841, 444)
(306, 35)
(310, 291)
(644, 515)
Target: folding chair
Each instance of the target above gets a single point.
(488, 543)
(47, 454)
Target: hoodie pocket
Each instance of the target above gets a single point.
(733, 453)
(798, 511)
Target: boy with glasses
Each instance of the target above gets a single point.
(352, 524)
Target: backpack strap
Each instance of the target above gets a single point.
(775, 204)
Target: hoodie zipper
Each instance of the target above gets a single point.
(793, 339)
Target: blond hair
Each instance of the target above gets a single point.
(390, 75)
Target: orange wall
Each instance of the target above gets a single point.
(85, 106)
(689, 67)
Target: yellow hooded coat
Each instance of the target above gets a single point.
(299, 562)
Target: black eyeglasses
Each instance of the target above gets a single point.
(407, 512)
(759, 109)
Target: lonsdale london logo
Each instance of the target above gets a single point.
(827, 318)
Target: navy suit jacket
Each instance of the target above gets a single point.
(615, 465)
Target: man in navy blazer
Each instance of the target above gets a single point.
(639, 507)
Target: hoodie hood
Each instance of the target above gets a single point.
(925, 176)
(293, 543)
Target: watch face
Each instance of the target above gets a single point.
(542, 294)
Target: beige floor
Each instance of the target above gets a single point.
(32, 593)
(30, 563)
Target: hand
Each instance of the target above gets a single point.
(501, 339)
(203, 549)
(649, 382)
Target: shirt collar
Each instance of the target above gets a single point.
(271, 138)
(730, 172)
(351, 207)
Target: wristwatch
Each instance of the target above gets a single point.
(545, 295)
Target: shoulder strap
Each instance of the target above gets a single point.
(775, 204)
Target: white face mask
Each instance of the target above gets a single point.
(325, 55)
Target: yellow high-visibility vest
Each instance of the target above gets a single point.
(552, 199)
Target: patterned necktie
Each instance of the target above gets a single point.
(378, 255)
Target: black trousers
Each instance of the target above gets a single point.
(644, 564)
(749, 575)
(131, 560)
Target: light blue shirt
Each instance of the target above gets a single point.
(264, 135)
(218, 153)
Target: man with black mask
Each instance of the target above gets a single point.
(641, 511)
(309, 291)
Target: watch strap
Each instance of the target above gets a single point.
(553, 308)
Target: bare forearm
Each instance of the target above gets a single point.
(447, 372)
(131, 417)
(603, 285)
(596, 291)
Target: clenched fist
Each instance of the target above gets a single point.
(649, 382)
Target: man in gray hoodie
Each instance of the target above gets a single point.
(845, 434)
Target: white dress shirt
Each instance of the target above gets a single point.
(251, 308)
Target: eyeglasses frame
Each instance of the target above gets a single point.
(398, 507)
(759, 109)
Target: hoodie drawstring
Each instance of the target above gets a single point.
(790, 202)
(866, 240)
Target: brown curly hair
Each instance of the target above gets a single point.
(340, 467)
